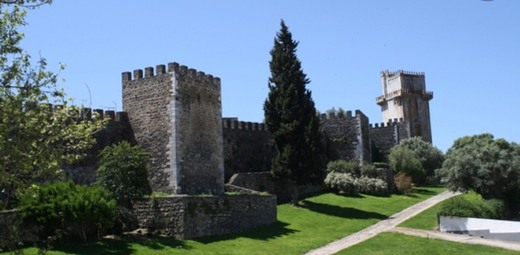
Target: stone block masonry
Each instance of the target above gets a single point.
(347, 136)
(187, 217)
(176, 116)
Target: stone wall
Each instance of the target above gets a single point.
(347, 136)
(117, 130)
(248, 147)
(385, 136)
(264, 182)
(176, 117)
(187, 217)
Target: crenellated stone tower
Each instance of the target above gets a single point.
(405, 98)
(176, 115)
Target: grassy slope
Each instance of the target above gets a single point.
(428, 219)
(394, 244)
(324, 218)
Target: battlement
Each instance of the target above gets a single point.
(399, 72)
(89, 113)
(182, 70)
(427, 95)
(234, 123)
(337, 114)
(390, 123)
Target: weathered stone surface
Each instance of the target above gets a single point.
(176, 116)
(248, 147)
(187, 217)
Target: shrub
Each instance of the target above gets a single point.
(342, 182)
(461, 207)
(64, 209)
(403, 182)
(369, 170)
(125, 220)
(372, 186)
(123, 171)
(343, 166)
(381, 165)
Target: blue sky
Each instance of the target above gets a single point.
(468, 49)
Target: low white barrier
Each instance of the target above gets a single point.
(486, 228)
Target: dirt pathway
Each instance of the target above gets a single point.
(382, 226)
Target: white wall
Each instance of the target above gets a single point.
(492, 229)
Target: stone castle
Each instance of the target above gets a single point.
(175, 114)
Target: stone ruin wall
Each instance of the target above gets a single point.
(248, 147)
(116, 130)
(347, 136)
(187, 217)
(385, 136)
(176, 117)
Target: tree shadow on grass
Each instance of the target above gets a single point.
(120, 246)
(420, 191)
(273, 231)
(342, 212)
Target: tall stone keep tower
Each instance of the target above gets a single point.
(176, 115)
(405, 98)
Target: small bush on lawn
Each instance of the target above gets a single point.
(64, 209)
(369, 170)
(372, 186)
(343, 166)
(342, 182)
(461, 207)
(403, 183)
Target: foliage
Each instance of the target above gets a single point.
(291, 117)
(64, 208)
(35, 141)
(125, 220)
(381, 165)
(404, 160)
(490, 167)
(345, 183)
(403, 182)
(123, 171)
(343, 166)
(372, 186)
(461, 207)
(430, 157)
(344, 177)
(368, 170)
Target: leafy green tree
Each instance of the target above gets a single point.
(431, 157)
(404, 160)
(291, 117)
(123, 170)
(35, 140)
(490, 167)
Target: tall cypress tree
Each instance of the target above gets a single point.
(291, 117)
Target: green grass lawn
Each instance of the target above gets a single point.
(322, 219)
(428, 219)
(395, 244)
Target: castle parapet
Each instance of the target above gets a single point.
(428, 95)
(340, 114)
(172, 67)
(388, 124)
(234, 123)
(398, 72)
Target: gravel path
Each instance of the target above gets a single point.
(382, 226)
